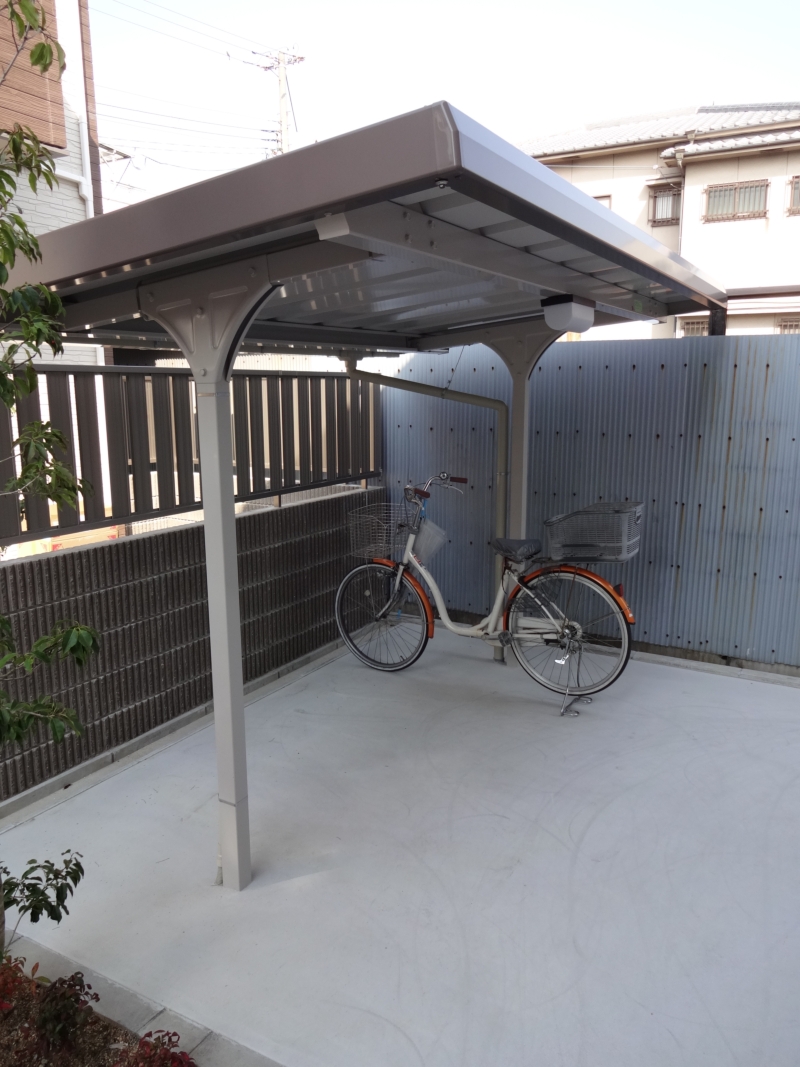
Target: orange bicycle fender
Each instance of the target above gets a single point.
(609, 588)
(423, 595)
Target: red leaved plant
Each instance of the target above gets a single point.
(159, 1049)
(13, 979)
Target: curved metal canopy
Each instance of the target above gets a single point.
(403, 235)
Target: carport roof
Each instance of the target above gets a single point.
(425, 224)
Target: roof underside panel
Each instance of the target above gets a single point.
(444, 225)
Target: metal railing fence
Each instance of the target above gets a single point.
(132, 434)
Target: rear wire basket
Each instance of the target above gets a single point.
(609, 530)
(378, 531)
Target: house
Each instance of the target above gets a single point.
(62, 113)
(718, 183)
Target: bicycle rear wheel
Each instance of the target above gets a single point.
(569, 633)
(384, 626)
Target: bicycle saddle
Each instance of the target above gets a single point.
(518, 551)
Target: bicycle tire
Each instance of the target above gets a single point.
(568, 656)
(385, 640)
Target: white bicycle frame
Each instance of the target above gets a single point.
(489, 628)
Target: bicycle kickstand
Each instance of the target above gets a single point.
(569, 708)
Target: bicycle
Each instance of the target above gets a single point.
(568, 627)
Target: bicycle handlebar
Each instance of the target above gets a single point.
(454, 479)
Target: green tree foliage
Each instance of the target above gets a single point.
(29, 321)
(28, 21)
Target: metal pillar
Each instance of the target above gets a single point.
(520, 348)
(207, 313)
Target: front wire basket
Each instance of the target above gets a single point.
(378, 531)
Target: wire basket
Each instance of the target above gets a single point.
(428, 541)
(604, 531)
(378, 531)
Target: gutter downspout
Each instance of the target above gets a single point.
(84, 179)
(501, 474)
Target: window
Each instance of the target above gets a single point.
(604, 200)
(791, 325)
(794, 196)
(737, 200)
(695, 327)
(665, 206)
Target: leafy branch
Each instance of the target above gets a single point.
(29, 26)
(42, 473)
(41, 889)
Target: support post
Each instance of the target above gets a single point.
(216, 467)
(520, 347)
(717, 322)
(208, 313)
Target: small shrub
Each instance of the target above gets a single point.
(13, 980)
(64, 1007)
(159, 1049)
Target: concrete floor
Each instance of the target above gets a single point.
(450, 875)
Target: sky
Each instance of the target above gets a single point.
(179, 93)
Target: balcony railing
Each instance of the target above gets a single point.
(132, 435)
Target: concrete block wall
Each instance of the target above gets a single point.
(147, 598)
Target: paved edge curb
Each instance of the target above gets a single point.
(139, 1014)
(195, 717)
(743, 673)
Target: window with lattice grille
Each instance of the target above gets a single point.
(736, 200)
(794, 196)
(695, 327)
(789, 325)
(665, 206)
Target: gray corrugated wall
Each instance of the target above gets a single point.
(147, 597)
(423, 435)
(706, 431)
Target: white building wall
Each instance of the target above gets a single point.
(744, 253)
(738, 254)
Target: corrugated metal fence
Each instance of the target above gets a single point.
(705, 431)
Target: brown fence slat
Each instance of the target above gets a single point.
(140, 443)
(377, 428)
(182, 412)
(342, 434)
(118, 446)
(274, 433)
(287, 425)
(303, 430)
(89, 444)
(58, 399)
(355, 426)
(315, 389)
(365, 421)
(331, 436)
(255, 389)
(9, 505)
(241, 438)
(37, 511)
(162, 415)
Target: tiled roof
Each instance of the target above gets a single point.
(728, 144)
(669, 126)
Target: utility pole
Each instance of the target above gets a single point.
(283, 101)
(277, 62)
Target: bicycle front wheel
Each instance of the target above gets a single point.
(383, 624)
(569, 633)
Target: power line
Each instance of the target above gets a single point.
(160, 100)
(170, 22)
(182, 129)
(179, 118)
(200, 22)
(161, 33)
